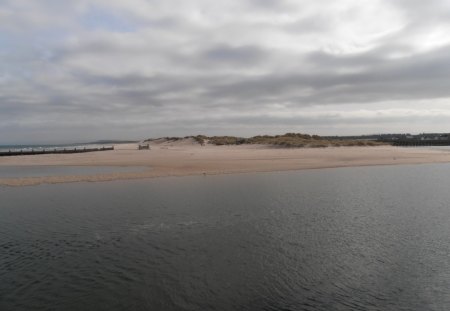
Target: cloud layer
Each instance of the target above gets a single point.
(90, 69)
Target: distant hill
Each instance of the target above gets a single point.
(105, 142)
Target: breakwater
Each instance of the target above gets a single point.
(52, 151)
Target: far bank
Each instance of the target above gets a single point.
(181, 159)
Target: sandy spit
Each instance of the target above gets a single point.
(191, 159)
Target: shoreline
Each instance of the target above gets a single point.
(187, 160)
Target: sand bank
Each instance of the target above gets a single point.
(192, 159)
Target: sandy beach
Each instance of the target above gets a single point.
(189, 158)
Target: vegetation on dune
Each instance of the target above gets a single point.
(227, 140)
(291, 140)
(173, 138)
(288, 140)
(201, 139)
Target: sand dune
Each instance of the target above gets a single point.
(187, 158)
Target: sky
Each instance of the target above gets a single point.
(84, 70)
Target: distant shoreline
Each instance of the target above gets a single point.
(188, 158)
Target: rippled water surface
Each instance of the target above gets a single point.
(44, 171)
(337, 239)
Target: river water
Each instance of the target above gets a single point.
(373, 238)
(26, 171)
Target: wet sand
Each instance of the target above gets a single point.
(172, 159)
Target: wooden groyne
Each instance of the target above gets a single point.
(52, 151)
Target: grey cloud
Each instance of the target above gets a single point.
(238, 55)
(423, 76)
(309, 25)
(269, 4)
(179, 73)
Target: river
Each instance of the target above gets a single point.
(369, 238)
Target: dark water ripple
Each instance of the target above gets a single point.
(57, 170)
(341, 239)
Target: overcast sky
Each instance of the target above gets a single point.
(83, 70)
